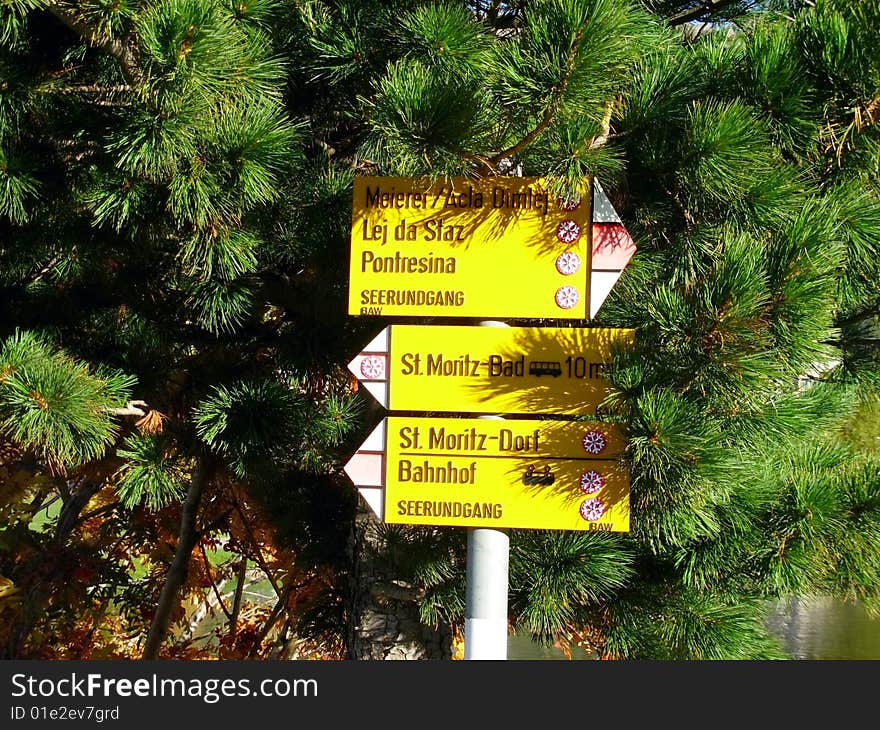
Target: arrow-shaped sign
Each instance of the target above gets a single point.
(474, 472)
(612, 249)
(500, 247)
(523, 370)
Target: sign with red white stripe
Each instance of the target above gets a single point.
(497, 248)
(473, 472)
(523, 370)
(501, 247)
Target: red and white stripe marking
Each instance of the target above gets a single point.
(612, 249)
(366, 469)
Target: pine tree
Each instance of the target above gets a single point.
(175, 192)
(162, 375)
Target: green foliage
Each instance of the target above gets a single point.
(857, 570)
(572, 54)
(725, 152)
(58, 408)
(249, 421)
(153, 473)
(431, 559)
(420, 120)
(665, 623)
(13, 18)
(445, 36)
(224, 255)
(194, 51)
(255, 423)
(806, 517)
(18, 189)
(566, 156)
(557, 577)
(110, 17)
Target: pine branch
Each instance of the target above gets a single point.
(109, 95)
(99, 511)
(864, 117)
(484, 162)
(69, 517)
(866, 341)
(213, 584)
(95, 89)
(271, 621)
(120, 50)
(258, 554)
(236, 601)
(176, 575)
(602, 138)
(132, 408)
(870, 111)
(696, 13)
(552, 108)
(37, 502)
(47, 268)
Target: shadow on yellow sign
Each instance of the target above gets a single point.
(513, 370)
(554, 370)
(460, 247)
(562, 475)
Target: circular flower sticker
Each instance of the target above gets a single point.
(592, 481)
(594, 442)
(568, 262)
(568, 231)
(570, 204)
(567, 297)
(373, 367)
(592, 509)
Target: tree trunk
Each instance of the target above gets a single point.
(72, 508)
(383, 618)
(239, 590)
(177, 572)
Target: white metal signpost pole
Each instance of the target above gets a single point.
(488, 560)
(485, 626)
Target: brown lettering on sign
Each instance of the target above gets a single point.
(437, 508)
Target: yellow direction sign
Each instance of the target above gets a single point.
(471, 472)
(498, 247)
(527, 370)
